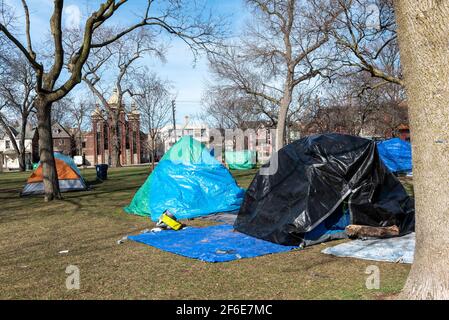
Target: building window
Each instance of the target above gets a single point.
(7, 144)
(203, 132)
(268, 136)
(83, 144)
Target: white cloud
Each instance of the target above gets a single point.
(72, 16)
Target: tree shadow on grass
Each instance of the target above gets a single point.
(79, 249)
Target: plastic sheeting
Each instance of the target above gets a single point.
(314, 176)
(224, 217)
(64, 186)
(333, 227)
(398, 249)
(211, 244)
(188, 182)
(240, 160)
(396, 154)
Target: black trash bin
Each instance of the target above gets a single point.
(102, 171)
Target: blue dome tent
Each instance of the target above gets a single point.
(189, 182)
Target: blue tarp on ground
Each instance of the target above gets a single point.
(211, 244)
(398, 249)
(396, 154)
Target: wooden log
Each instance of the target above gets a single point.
(359, 231)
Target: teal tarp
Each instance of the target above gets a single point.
(240, 160)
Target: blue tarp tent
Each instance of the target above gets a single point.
(189, 182)
(396, 154)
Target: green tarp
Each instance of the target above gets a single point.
(240, 160)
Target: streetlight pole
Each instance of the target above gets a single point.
(173, 107)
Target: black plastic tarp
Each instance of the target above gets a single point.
(314, 176)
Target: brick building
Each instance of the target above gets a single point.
(98, 143)
(62, 141)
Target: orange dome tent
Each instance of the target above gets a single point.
(69, 177)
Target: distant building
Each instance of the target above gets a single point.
(97, 144)
(10, 160)
(168, 137)
(62, 142)
(260, 141)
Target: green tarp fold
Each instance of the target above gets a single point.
(240, 160)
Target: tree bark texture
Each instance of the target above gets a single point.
(424, 45)
(47, 159)
(115, 137)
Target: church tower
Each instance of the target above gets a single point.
(134, 134)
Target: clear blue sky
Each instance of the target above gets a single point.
(189, 80)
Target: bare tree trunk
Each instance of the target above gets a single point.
(153, 145)
(280, 130)
(282, 117)
(423, 40)
(51, 184)
(115, 143)
(22, 151)
(80, 142)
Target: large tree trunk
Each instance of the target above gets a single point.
(115, 137)
(424, 40)
(51, 184)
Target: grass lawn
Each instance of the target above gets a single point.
(88, 224)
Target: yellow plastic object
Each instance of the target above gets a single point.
(175, 225)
